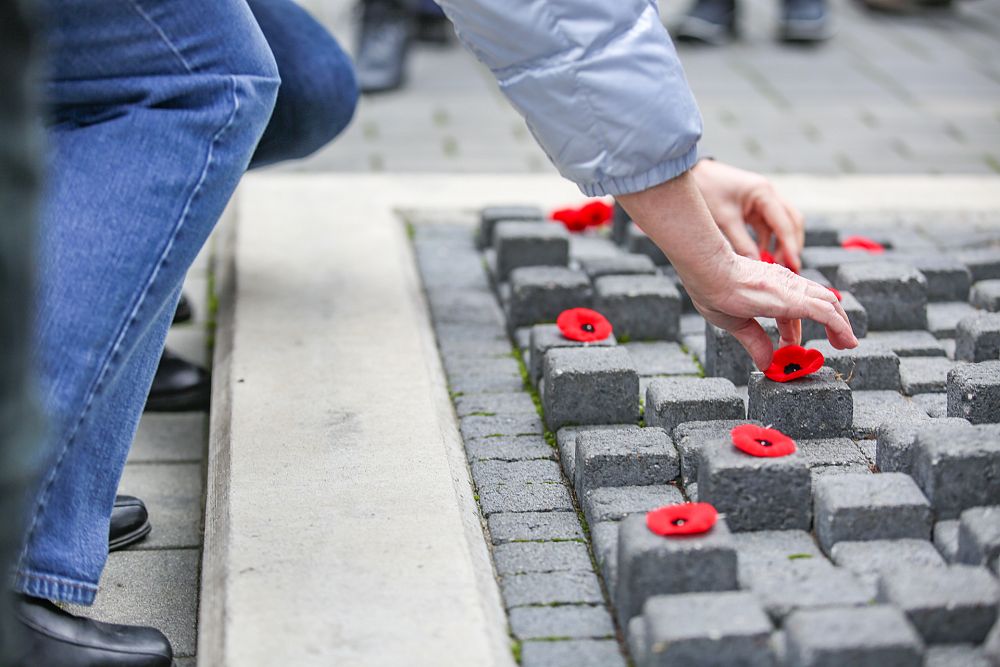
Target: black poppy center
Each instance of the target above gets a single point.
(792, 368)
(764, 443)
(679, 522)
(588, 327)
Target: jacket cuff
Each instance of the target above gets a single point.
(661, 173)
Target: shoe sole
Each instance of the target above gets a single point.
(192, 400)
(130, 538)
(694, 29)
(805, 31)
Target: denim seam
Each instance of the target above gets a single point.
(166, 40)
(115, 350)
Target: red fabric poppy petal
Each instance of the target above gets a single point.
(836, 293)
(596, 213)
(682, 519)
(767, 257)
(583, 325)
(862, 243)
(761, 441)
(792, 362)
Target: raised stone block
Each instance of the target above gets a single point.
(943, 317)
(604, 543)
(740, 486)
(816, 406)
(596, 385)
(894, 449)
(876, 556)
(673, 401)
(947, 278)
(874, 409)
(909, 343)
(826, 452)
(724, 356)
(614, 503)
(947, 605)
(961, 655)
(894, 294)
(946, 539)
(617, 265)
(977, 338)
(935, 405)
(703, 629)
(856, 507)
(868, 366)
(983, 263)
(638, 243)
(626, 456)
(979, 536)
(691, 438)
(640, 307)
(519, 244)
(974, 392)
(986, 295)
(803, 583)
(651, 564)
(661, 358)
(566, 443)
(922, 375)
(540, 293)
(877, 636)
(620, 224)
(856, 315)
(490, 216)
(820, 232)
(544, 337)
(957, 466)
(774, 548)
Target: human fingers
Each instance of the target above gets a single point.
(755, 341)
(798, 219)
(790, 331)
(771, 210)
(738, 236)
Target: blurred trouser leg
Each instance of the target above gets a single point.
(156, 109)
(19, 171)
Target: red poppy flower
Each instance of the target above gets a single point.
(683, 519)
(571, 219)
(767, 257)
(596, 213)
(836, 293)
(793, 361)
(862, 243)
(584, 325)
(760, 441)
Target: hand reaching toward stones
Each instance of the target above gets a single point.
(737, 198)
(727, 289)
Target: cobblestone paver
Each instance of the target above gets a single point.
(827, 558)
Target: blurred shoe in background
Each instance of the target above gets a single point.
(387, 28)
(804, 21)
(708, 22)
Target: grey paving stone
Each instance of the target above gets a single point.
(692, 323)
(868, 366)
(819, 472)
(591, 245)
(856, 315)
(946, 539)
(640, 307)
(650, 564)
(921, 375)
(572, 653)
(613, 503)
(958, 466)
(481, 381)
(673, 401)
(464, 305)
(539, 294)
(830, 452)
(983, 263)
(550, 588)
(525, 526)
(909, 343)
(820, 232)
(893, 294)
(604, 542)
(869, 507)
(691, 438)
(724, 356)
(566, 441)
(876, 556)
(491, 474)
(867, 448)
(977, 338)
(695, 344)
(636, 242)
(509, 448)
(947, 278)
(527, 557)
(157, 588)
(828, 260)
(172, 493)
(661, 358)
(873, 409)
(503, 365)
(170, 437)
(617, 265)
(476, 427)
(494, 404)
(628, 456)
(572, 621)
(947, 605)
(740, 485)
(816, 406)
(986, 295)
(727, 628)
(974, 392)
(876, 636)
(979, 536)
(935, 405)
(943, 318)
(961, 655)
(528, 244)
(544, 337)
(620, 224)
(895, 441)
(527, 497)
(491, 215)
(804, 583)
(635, 641)
(774, 548)
(589, 386)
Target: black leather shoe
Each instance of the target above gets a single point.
(179, 386)
(184, 312)
(53, 637)
(433, 29)
(804, 21)
(708, 22)
(129, 522)
(386, 32)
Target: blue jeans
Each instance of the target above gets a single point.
(156, 110)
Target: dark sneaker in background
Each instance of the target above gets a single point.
(708, 22)
(387, 29)
(804, 21)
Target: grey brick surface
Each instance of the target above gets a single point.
(895, 441)
(957, 466)
(876, 556)
(946, 539)
(986, 295)
(804, 583)
(873, 409)
(816, 406)
(520, 244)
(856, 315)
(521, 526)
(691, 438)
(540, 293)
(528, 557)
(774, 548)
(661, 358)
(640, 307)
(573, 621)
(476, 427)
(544, 337)
(509, 448)
(977, 338)
(604, 543)
(943, 318)
(492, 474)
(650, 564)
(724, 357)
(921, 375)
(820, 232)
(909, 343)
(956, 656)
(974, 392)
(893, 294)
(589, 386)
(527, 497)
(566, 441)
(591, 245)
(489, 216)
(673, 401)
(617, 265)
(628, 456)
(979, 536)
(613, 503)
(549, 588)
(935, 405)
(947, 605)
(983, 263)
(636, 242)
(869, 507)
(868, 366)
(165, 437)
(877, 636)
(830, 452)
(828, 260)
(572, 653)
(947, 278)
(727, 628)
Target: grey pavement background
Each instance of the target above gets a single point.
(907, 94)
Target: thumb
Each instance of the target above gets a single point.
(756, 341)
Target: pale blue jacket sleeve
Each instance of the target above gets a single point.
(597, 81)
